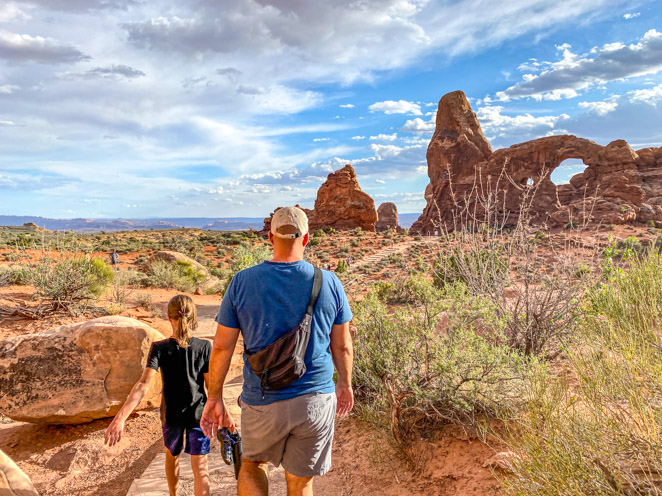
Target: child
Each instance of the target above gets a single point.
(184, 364)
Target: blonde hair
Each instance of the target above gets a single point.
(181, 310)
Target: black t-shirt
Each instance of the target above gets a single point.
(182, 370)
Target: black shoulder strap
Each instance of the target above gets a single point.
(317, 286)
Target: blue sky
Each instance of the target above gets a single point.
(220, 108)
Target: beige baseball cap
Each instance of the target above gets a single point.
(289, 216)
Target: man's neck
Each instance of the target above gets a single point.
(292, 256)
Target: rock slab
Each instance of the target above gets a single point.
(75, 373)
(619, 185)
(13, 481)
(173, 257)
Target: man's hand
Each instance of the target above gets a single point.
(345, 397)
(216, 416)
(114, 432)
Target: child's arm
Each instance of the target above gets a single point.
(140, 388)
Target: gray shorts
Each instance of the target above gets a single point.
(296, 433)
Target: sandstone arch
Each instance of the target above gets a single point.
(620, 184)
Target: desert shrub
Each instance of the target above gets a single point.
(182, 275)
(145, 301)
(604, 434)
(483, 269)
(341, 268)
(65, 283)
(120, 289)
(355, 242)
(630, 246)
(244, 257)
(493, 252)
(440, 360)
(16, 275)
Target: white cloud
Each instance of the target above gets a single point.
(419, 126)
(494, 122)
(347, 105)
(573, 73)
(8, 89)
(380, 181)
(321, 139)
(10, 12)
(599, 108)
(111, 72)
(25, 48)
(650, 96)
(385, 137)
(631, 15)
(7, 123)
(358, 137)
(399, 107)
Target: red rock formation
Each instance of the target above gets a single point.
(387, 217)
(619, 185)
(340, 204)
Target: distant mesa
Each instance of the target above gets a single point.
(340, 204)
(619, 185)
(387, 217)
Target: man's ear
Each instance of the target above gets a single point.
(304, 241)
(271, 237)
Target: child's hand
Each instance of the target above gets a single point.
(114, 432)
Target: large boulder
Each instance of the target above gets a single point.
(619, 184)
(75, 373)
(387, 217)
(13, 481)
(340, 204)
(174, 257)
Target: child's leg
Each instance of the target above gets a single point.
(173, 438)
(172, 472)
(200, 474)
(198, 445)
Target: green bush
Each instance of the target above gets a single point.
(602, 435)
(182, 275)
(67, 282)
(439, 360)
(341, 268)
(14, 276)
(488, 263)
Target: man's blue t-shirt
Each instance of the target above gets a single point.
(268, 301)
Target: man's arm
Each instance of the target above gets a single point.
(115, 429)
(215, 414)
(342, 352)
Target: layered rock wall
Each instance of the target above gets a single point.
(619, 184)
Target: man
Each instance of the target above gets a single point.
(292, 426)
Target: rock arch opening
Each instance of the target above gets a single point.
(566, 170)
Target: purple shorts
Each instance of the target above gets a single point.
(196, 441)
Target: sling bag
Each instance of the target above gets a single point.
(282, 362)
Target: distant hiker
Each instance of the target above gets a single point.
(289, 421)
(349, 262)
(113, 259)
(184, 364)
